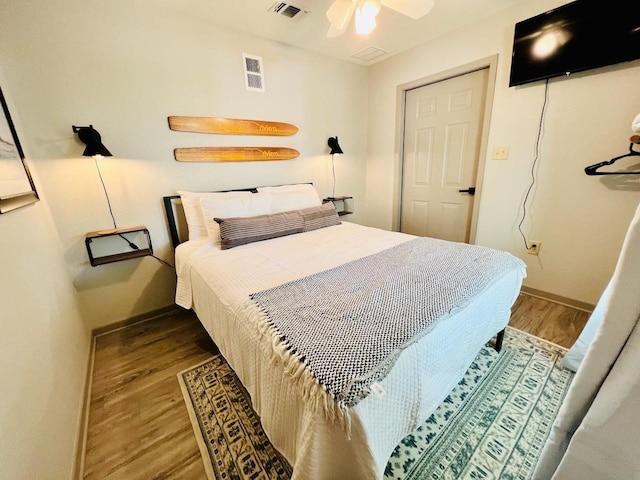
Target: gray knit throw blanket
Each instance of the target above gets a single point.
(348, 325)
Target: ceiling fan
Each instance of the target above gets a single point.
(341, 11)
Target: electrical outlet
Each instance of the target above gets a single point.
(534, 247)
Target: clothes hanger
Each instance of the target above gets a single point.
(593, 169)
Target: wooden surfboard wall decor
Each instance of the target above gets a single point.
(234, 154)
(230, 126)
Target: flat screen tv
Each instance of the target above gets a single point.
(581, 35)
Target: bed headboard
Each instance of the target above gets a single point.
(176, 220)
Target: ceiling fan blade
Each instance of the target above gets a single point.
(335, 32)
(411, 8)
(340, 13)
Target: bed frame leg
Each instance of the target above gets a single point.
(499, 338)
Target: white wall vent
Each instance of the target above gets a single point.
(288, 10)
(253, 73)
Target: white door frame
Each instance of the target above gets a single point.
(489, 62)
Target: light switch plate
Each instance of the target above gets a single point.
(500, 152)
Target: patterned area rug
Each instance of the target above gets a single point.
(492, 425)
(228, 430)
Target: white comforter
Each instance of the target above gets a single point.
(217, 284)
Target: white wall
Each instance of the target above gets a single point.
(44, 346)
(580, 220)
(125, 67)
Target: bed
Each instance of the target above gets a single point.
(321, 432)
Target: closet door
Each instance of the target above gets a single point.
(442, 138)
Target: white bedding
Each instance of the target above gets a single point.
(217, 284)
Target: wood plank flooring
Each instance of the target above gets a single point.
(552, 321)
(138, 425)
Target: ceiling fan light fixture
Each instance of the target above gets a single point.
(365, 22)
(370, 8)
(341, 11)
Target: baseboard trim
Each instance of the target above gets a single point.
(552, 297)
(78, 470)
(145, 317)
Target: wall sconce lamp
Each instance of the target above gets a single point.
(92, 139)
(335, 149)
(335, 146)
(96, 149)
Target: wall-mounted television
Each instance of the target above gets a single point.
(581, 35)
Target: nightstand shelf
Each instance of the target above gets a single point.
(106, 246)
(343, 204)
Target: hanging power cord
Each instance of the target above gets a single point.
(132, 245)
(533, 165)
(95, 159)
(333, 168)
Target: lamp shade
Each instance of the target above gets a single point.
(93, 141)
(335, 146)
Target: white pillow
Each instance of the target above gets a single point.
(292, 197)
(294, 187)
(232, 207)
(193, 212)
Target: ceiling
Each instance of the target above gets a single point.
(394, 34)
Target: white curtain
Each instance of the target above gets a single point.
(576, 353)
(597, 432)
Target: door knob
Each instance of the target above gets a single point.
(470, 191)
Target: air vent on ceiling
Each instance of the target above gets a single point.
(369, 54)
(253, 73)
(288, 10)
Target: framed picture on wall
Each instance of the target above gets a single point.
(16, 185)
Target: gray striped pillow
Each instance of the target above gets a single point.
(242, 230)
(324, 215)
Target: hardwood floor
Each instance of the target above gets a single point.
(138, 425)
(557, 323)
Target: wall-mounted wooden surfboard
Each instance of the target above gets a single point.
(234, 154)
(230, 126)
